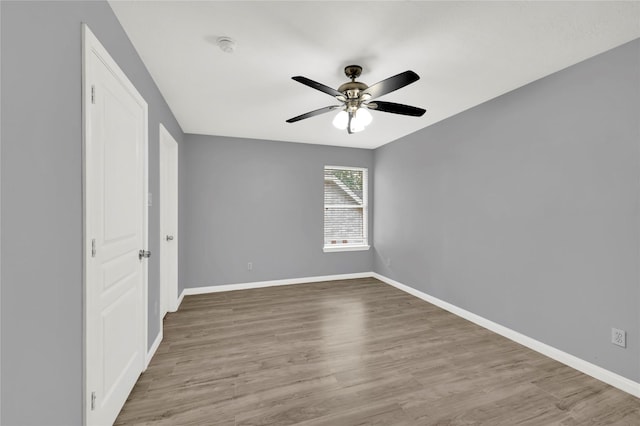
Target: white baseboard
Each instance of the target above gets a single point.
(260, 284)
(579, 364)
(180, 299)
(152, 350)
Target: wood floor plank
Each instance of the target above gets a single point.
(352, 353)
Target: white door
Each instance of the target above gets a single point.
(168, 222)
(115, 185)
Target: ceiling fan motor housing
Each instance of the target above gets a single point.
(352, 91)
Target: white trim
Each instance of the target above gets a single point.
(90, 45)
(152, 350)
(179, 301)
(579, 364)
(338, 247)
(572, 361)
(345, 167)
(164, 137)
(260, 284)
(364, 202)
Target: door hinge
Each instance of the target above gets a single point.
(93, 94)
(93, 401)
(93, 247)
(142, 254)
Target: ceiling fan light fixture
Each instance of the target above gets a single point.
(356, 126)
(359, 120)
(341, 120)
(363, 116)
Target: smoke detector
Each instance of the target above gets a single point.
(226, 44)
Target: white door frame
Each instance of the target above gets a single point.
(168, 288)
(92, 46)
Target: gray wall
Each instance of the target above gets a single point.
(41, 233)
(261, 202)
(524, 210)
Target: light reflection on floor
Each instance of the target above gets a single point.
(344, 331)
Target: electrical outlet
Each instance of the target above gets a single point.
(619, 337)
(250, 266)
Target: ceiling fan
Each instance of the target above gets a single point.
(356, 99)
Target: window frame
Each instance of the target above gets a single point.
(332, 248)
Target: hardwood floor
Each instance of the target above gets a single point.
(356, 352)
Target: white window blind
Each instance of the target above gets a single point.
(345, 208)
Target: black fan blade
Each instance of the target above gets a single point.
(318, 86)
(397, 108)
(313, 113)
(392, 83)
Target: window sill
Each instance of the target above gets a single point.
(333, 248)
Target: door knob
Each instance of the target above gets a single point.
(169, 237)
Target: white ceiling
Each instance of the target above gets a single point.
(465, 53)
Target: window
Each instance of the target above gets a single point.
(345, 209)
